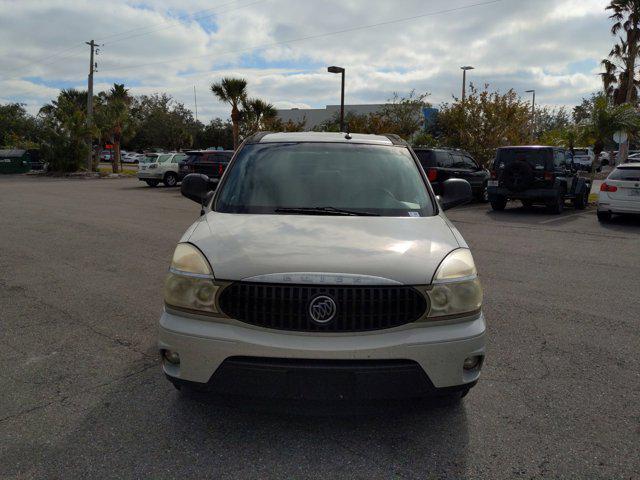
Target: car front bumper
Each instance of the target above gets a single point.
(232, 357)
(149, 175)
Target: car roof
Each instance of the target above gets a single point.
(325, 137)
(531, 147)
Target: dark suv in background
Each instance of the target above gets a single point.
(211, 163)
(536, 175)
(443, 164)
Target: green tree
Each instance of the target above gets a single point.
(626, 17)
(161, 122)
(605, 120)
(232, 91)
(18, 129)
(256, 114)
(487, 120)
(217, 133)
(113, 118)
(64, 131)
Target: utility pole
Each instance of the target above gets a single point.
(92, 67)
(195, 100)
(464, 80)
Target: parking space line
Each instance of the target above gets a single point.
(557, 219)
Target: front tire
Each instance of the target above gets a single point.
(498, 203)
(483, 195)
(152, 183)
(604, 217)
(170, 179)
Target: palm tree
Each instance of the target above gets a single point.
(615, 76)
(626, 15)
(232, 91)
(257, 114)
(606, 119)
(114, 119)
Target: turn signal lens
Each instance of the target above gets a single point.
(188, 259)
(457, 265)
(432, 174)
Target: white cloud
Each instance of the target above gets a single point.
(172, 45)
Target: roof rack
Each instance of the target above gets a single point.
(395, 139)
(256, 137)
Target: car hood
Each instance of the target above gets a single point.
(399, 250)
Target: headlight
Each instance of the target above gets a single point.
(456, 289)
(190, 283)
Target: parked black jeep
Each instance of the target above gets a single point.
(442, 164)
(536, 175)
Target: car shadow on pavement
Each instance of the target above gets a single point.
(143, 428)
(623, 223)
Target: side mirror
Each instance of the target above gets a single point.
(455, 192)
(198, 187)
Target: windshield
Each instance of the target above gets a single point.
(277, 177)
(629, 174)
(163, 158)
(149, 158)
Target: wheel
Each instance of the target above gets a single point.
(557, 206)
(498, 203)
(170, 179)
(483, 195)
(152, 183)
(604, 217)
(581, 201)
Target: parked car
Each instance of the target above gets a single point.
(583, 159)
(441, 165)
(209, 162)
(105, 156)
(536, 175)
(165, 168)
(132, 157)
(620, 192)
(323, 266)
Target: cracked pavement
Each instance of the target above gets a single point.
(82, 264)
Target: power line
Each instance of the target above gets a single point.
(51, 58)
(311, 37)
(167, 25)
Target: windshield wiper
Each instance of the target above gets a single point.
(325, 211)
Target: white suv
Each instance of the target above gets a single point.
(323, 266)
(164, 168)
(620, 192)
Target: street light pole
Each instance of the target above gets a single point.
(533, 115)
(340, 70)
(464, 80)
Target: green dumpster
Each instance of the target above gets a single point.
(14, 161)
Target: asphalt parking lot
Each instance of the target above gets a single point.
(82, 264)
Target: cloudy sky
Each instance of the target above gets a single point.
(282, 47)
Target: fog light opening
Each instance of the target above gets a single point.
(471, 363)
(171, 357)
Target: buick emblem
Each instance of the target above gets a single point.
(322, 309)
